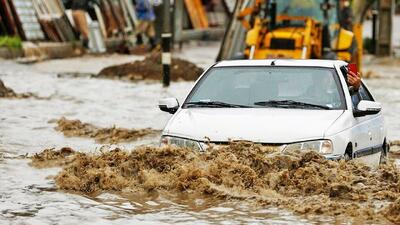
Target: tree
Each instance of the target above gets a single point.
(360, 9)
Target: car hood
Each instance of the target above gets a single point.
(265, 125)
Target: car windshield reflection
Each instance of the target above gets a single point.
(284, 87)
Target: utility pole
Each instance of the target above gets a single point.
(374, 33)
(386, 12)
(178, 20)
(166, 38)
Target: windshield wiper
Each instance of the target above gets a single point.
(215, 104)
(290, 103)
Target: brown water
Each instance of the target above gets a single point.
(29, 195)
(303, 182)
(112, 135)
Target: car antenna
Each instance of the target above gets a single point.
(273, 63)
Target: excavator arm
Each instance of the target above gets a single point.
(253, 11)
(258, 31)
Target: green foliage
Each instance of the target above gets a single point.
(10, 42)
(368, 45)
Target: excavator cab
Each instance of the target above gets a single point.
(296, 29)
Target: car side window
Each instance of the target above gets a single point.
(364, 93)
(344, 70)
(355, 98)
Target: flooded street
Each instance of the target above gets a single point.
(26, 196)
(27, 126)
(385, 90)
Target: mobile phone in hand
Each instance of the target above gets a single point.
(353, 67)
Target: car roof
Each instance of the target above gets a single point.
(282, 62)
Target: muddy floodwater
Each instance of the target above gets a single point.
(29, 195)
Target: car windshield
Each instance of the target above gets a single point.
(311, 8)
(282, 87)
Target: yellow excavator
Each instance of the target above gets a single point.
(295, 29)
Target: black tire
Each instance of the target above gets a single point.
(348, 155)
(384, 154)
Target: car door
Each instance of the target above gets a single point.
(375, 122)
(369, 128)
(361, 129)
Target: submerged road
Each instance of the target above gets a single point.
(28, 195)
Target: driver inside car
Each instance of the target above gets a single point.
(323, 91)
(324, 84)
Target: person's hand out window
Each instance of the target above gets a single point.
(354, 80)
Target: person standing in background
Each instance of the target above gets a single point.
(158, 11)
(346, 15)
(146, 17)
(79, 9)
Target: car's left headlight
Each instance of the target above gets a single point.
(321, 146)
(180, 142)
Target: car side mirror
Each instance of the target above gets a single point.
(169, 105)
(365, 108)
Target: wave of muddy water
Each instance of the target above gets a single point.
(111, 135)
(29, 195)
(8, 93)
(26, 196)
(304, 182)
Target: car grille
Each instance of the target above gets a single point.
(224, 144)
(282, 43)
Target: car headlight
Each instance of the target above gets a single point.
(320, 146)
(180, 142)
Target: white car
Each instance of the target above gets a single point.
(294, 104)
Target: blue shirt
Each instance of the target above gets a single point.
(144, 10)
